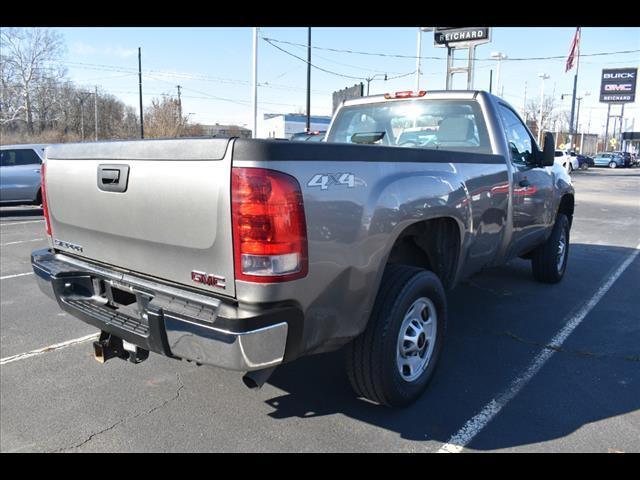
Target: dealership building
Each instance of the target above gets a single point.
(281, 125)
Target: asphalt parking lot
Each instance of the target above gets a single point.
(491, 386)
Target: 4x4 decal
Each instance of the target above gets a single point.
(324, 181)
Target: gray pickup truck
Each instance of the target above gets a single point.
(245, 254)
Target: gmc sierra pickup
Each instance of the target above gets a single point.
(245, 254)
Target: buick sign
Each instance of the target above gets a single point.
(618, 85)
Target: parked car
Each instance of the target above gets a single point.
(20, 174)
(315, 136)
(628, 160)
(585, 161)
(293, 248)
(568, 160)
(608, 159)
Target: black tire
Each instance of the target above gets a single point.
(613, 165)
(545, 258)
(570, 168)
(584, 166)
(371, 358)
(38, 200)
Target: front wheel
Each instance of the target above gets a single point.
(392, 361)
(584, 166)
(549, 260)
(569, 168)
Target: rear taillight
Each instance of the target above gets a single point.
(405, 94)
(269, 229)
(43, 194)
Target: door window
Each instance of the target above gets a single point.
(7, 158)
(520, 142)
(27, 157)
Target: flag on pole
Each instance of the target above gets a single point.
(574, 51)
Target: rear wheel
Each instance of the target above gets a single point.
(549, 260)
(392, 361)
(569, 168)
(613, 165)
(584, 166)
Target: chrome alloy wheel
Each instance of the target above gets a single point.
(416, 339)
(562, 251)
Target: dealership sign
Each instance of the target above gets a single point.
(461, 36)
(618, 85)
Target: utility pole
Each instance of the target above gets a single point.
(82, 118)
(490, 81)
(308, 79)
(140, 90)
(82, 96)
(95, 110)
(524, 102)
(369, 79)
(255, 83)
(179, 104)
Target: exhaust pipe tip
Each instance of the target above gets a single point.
(257, 378)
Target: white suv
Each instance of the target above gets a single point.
(567, 159)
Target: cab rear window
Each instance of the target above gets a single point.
(429, 124)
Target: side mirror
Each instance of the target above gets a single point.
(548, 150)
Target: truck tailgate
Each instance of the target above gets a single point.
(166, 215)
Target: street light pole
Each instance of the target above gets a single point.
(585, 94)
(543, 77)
(417, 62)
(420, 30)
(499, 56)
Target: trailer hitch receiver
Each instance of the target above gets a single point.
(109, 346)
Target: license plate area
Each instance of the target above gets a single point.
(124, 299)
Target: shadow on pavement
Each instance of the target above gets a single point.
(20, 211)
(490, 317)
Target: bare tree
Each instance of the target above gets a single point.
(532, 113)
(162, 119)
(24, 56)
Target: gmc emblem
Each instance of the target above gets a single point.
(208, 279)
(625, 87)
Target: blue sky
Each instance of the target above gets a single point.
(213, 66)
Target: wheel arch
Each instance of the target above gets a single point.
(434, 244)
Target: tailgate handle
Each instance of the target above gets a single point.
(113, 178)
(110, 176)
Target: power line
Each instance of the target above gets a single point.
(413, 57)
(329, 71)
(314, 66)
(183, 75)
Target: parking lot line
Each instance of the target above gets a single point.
(16, 275)
(50, 348)
(22, 241)
(20, 223)
(475, 425)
